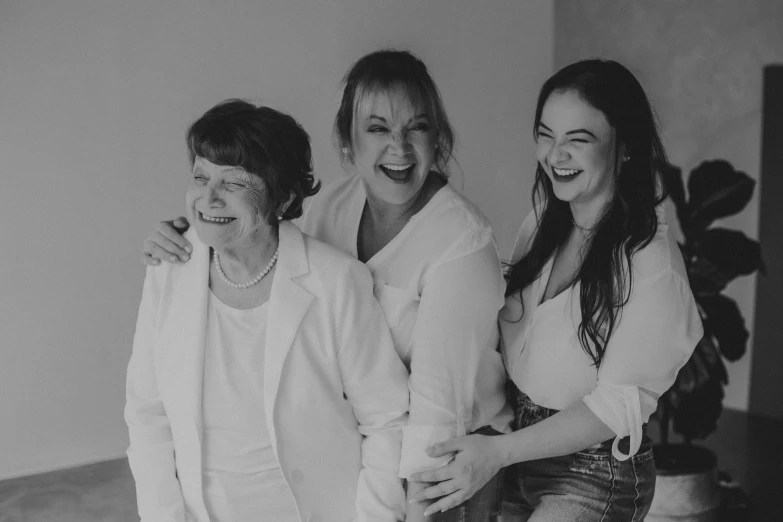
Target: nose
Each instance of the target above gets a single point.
(400, 143)
(214, 197)
(556, 154)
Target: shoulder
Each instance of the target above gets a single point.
(329, 264)
(525, 235)
(659, 257)
(330, 214)
(331, 194)
(455, 219)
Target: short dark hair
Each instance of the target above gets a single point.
(263, 142)
(387, 71)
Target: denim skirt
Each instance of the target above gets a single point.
(585, 486)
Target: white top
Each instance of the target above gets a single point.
(242, 479)
(440, 285)
(653, 338)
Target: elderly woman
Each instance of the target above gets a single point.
(251, 393)
(431, 253)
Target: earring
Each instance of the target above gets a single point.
(344, 150)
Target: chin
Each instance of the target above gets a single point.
(564, 194)
(208, 237)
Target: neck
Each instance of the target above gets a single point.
(387, 215)
(586, 215)
(244, 262)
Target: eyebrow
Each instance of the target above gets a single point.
(576, 131)
(383, 120)
(237, 170)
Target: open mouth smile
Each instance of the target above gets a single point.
(565, 175)
(398, 173)
(215, 220)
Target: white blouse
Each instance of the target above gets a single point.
(242, 479)
(653, 338)
(440, 285)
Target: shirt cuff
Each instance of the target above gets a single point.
(619, 407)
(415, 441)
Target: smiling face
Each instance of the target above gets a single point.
(576, 147)
(393, 146)
(229, 207)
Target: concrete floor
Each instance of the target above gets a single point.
(102, 492)
(749, 448)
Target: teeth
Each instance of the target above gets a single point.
(397, 167)
(216, 219)
(565, 172)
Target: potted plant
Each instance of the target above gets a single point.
(714, 256)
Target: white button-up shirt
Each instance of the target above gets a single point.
(440, 285)
(653, 338)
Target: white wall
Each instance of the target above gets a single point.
(95, 96)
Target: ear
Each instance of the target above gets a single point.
(623, 154)
(285, 206)
(346, 155)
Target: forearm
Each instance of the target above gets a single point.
(573, 429)
(456, 326)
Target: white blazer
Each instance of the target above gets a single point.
(335, 391)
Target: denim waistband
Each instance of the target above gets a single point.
(528, 413)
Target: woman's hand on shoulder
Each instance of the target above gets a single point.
(476, 459)
(166, 243)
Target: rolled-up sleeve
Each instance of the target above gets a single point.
(655, 336)
(375, 383)
(151, 450)
(457, 321)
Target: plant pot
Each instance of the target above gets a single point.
(686, 487)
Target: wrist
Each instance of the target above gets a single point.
(501, 451)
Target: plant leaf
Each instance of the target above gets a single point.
(726, 324)
(716, 190)
(717, 256)
(672, 179)
(698, 412)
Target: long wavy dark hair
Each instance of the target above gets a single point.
(627, 224)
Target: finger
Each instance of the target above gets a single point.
(168, 245)
(154, 250)
(149, 260)
(453, 500)
(436, 491)
(181, 224)
(173, 231)
(444, 448)
(434, 475)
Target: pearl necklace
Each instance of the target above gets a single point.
(258, 278)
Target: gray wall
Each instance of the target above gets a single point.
(701, 63)
(95, 98)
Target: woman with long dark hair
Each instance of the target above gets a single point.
(599, 316)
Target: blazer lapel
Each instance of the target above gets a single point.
(184, 325)
(288, 304)
(185, 332)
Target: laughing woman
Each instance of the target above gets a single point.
(251, 393)
(599, 316)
